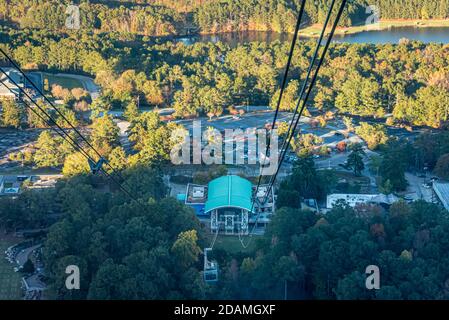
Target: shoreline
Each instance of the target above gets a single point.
(314, 30)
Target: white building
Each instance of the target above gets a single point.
(10, 90)
(442, 191)
(227, 204)
(355, 199)
(9, 185)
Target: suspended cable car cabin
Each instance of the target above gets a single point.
(96, 167)
(210, 272)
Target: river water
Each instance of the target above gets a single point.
(393, 35)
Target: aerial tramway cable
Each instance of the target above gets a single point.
(74, 144)
(49, 122)
(313, 81)
(278, 104)
(309, 71)
(292, 129)
(16, 66)
(283, 85)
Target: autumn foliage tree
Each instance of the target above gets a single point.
(374, 135)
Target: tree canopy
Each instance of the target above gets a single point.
(124, 249)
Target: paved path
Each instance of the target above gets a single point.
(22, 256)
(124, 134)
(415, 189)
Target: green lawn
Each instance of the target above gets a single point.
(357, 184)
(27, 170)
(65, 82)
(9, 280)
(232, 244)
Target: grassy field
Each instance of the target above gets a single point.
(314, 30)
(232, 244)
(27, 170)
(65, 82)
(357, 184)
(9, 280)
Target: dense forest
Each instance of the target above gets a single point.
(51, 15)
(279, 15)
(152, 250)
(325, 256)
(405, 82)
(168, 17)
(125, 250)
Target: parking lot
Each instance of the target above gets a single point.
(14, 141)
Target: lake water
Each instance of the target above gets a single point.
(393, 35)
(427, 35)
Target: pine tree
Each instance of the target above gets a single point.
(11, 114)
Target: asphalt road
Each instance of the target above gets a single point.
(22, 256)
(416, 190)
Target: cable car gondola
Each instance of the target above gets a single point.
(210, 272)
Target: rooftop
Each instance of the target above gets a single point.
(442, 191)
(229, 191)
(196, 194)
(354, 199)
(16, 77)
(13, 73)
